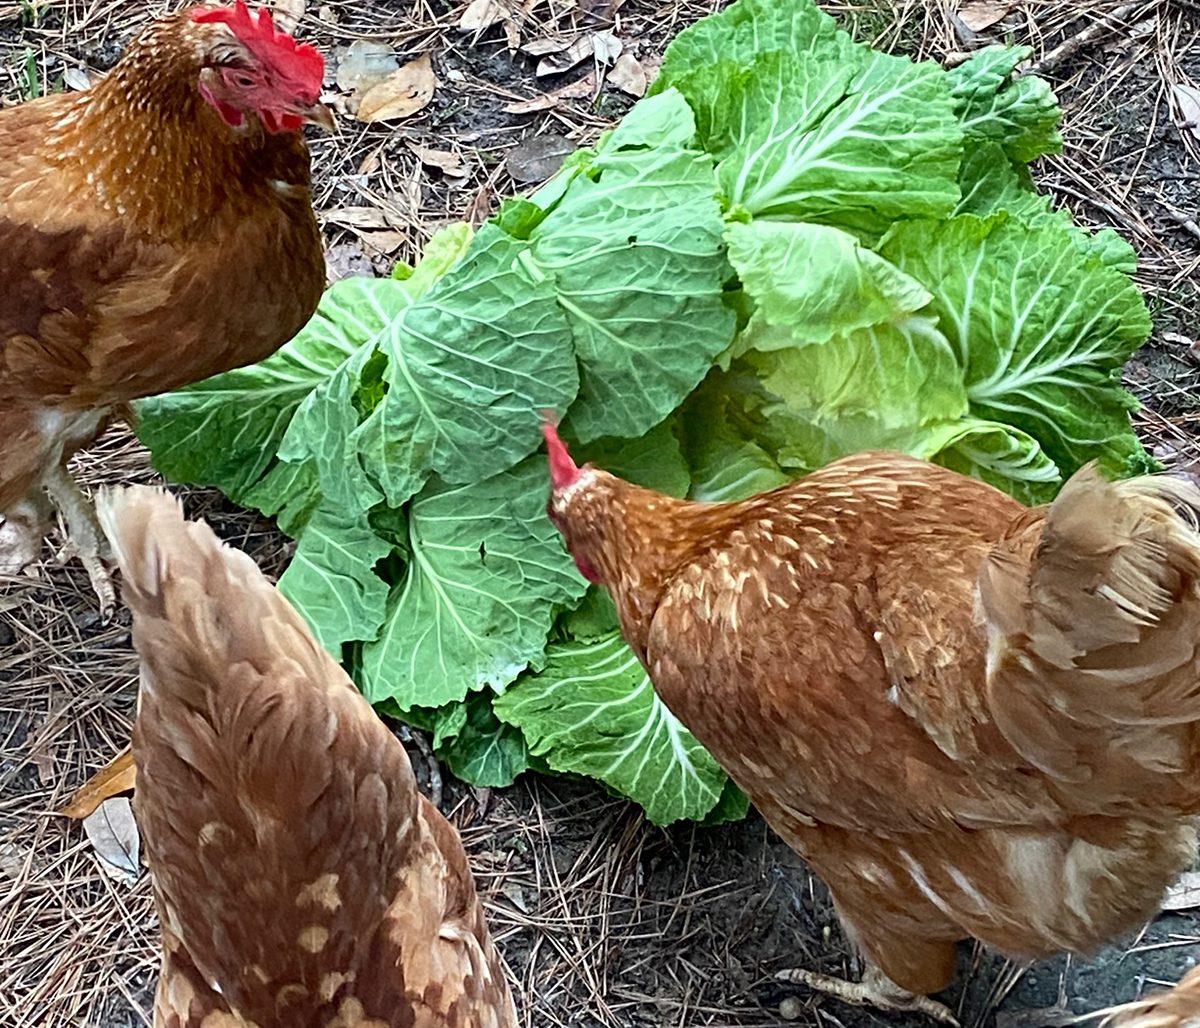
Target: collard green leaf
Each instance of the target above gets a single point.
(487, 569)
(999, 454)
(446, 247)
(478, 747)
(331, 579)
(225, 431)
(655, 460)
(634, 252)
(1040, 326)
(592, 710)
(594, 618)
(465, 368)
(1022, 115)
(725, 464)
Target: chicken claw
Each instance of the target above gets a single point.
(875, 990)
(84, 538)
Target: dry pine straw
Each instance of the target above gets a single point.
(604, 920)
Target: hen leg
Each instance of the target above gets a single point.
(875, 990)
(84, 538)
(23, 527)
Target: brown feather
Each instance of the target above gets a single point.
(300, 878)
(144, 245)
(970, 718)
(1178, 1008)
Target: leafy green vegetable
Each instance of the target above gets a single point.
(475, 606)
(795, 248)
(592, 710)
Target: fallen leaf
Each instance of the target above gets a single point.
(385, 243)
(1184, 894)
(536, 159)
(446, 162)
(117, 776)
(288, 13)
(365, 63)
(978, 15)
(564, 60)
(481, 15)
(629, 76)
(606, 47)
(114, 836)
(512, 34)
(77, 78)
(1187, 99)
(516, 896)
(402, 94)
(357, 217)
(584, 87)
(544, 45)
(347, 260)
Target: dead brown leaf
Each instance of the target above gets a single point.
(445, 161)
(288, 13)
(582, 49)
(629, 76)
(357, 217)
(584, 87)
(545, 45)
(402, 94)
(114, 836)
(117, 776)
(385, 243)
(978, 15)
(481, 15)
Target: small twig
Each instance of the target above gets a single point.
(1187, 224)
(1104, 24)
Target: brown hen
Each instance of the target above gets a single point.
(971, 719)
(301, 879)
(1178, 1008)
(155, 229)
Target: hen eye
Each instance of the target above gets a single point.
(243, 81)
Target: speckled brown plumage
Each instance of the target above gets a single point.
(301, 879)
(1178, 1008)
(144, 244)
(971, 719)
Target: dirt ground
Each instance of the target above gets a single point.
(604, 920)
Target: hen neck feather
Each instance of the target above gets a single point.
(147, 147)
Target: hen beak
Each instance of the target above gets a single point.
(320, 115)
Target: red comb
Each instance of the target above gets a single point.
(563, 470)
(299, 62)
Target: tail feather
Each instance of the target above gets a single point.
(1093, 613)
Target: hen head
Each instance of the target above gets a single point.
(577, 505)
(248, 67)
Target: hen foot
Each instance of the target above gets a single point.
(85, 540)
(22, 529)
(875, 990)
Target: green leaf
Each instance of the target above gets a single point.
(999, 454)
(654, 461)
(1022, 115)
(592, 711)
(725, 463)
(225, 431)
(634, 250)
(812, 282)
(732, 806)
(748, 28)
(479, 749)
(331, 579)
(446, 247)
(1040, 326)
(851, 143)
(594, 618)
(486, 571)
